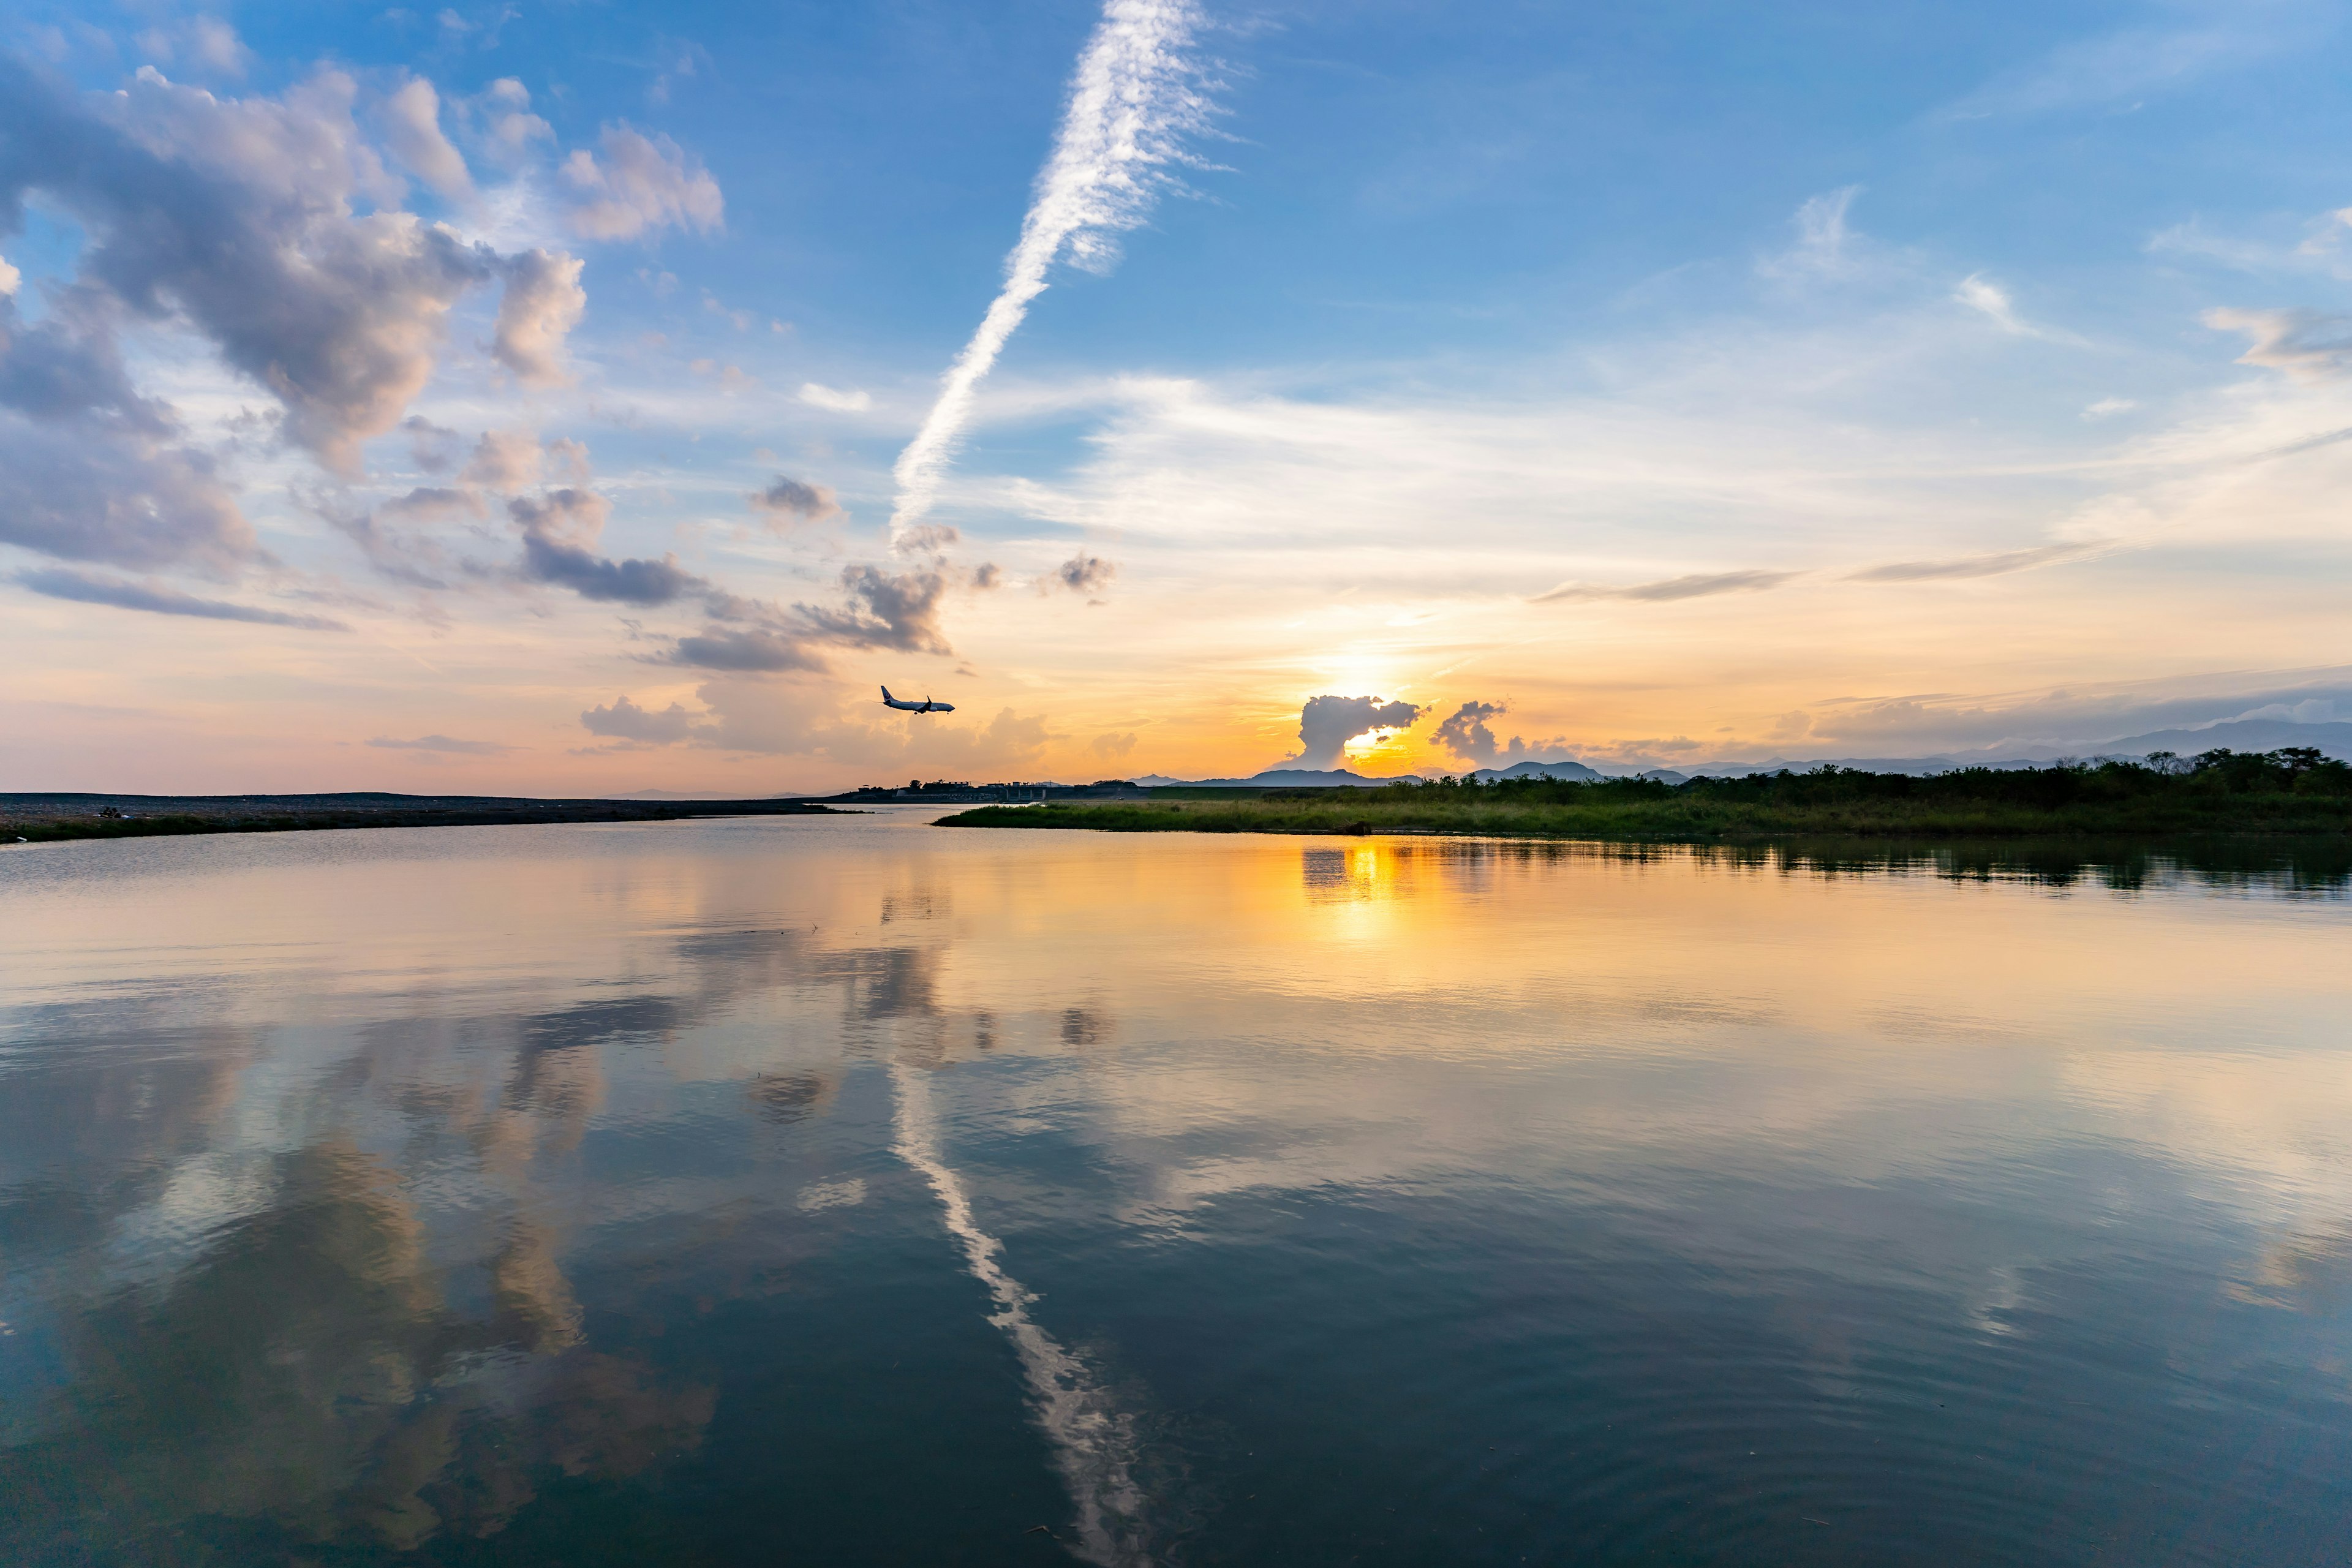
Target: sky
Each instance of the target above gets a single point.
(569, 398)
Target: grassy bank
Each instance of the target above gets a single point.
(42, 818)
(2279, 793)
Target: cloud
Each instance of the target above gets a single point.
(888, 610)
(540, 304)
(817, 396)
(1132, 98)
(1995, 564)
(1465, 732)
(593, 576)
(558, 529)
(443, 743)
(1112, 747)
(1823, 239)
(84, 489)
(1980, 294)
(207, 43)
(411, 115)
(1698, 585)
(505, 461)
(1081, 574)
(756, 651)
(236, 217)
(431, 447)
(87, 468)
(431, 503)
(642, 184)
(1326, 725)
(2308, 345)
(2106, 407)
(508, 126)
(787, 502)
(59, 584)
(625, 720)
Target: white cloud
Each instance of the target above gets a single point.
(412, 124)
(642, 184)
(1825, 243)
(1982, 295)
(541, 304)
(2105, 407)
(818, 395)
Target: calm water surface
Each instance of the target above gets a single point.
(856, 1191)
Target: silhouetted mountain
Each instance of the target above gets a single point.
(1559, 770)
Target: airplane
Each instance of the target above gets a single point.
(925, 706)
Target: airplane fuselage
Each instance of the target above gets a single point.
(925, 706)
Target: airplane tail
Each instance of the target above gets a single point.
(887, 697)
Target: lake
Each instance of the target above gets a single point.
(849, 1190)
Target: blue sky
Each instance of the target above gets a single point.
(1688, 381)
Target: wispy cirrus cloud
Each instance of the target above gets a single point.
(1694, 586)
(1994, 564)
(56, 582)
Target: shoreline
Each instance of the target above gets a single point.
(63, 816)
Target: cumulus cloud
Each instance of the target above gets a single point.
(431, 447)
(755, 651)
(559, 531)
(540, 304)
(885, 609)
(89, 468)
(2309, 346)
(1697, 585)
(641, 184)
(1327, 724)
(508, 125)
(1465, 733)
(206, 43)
(1081, 574)
(411, 115)
(506, 462)
(234, 217)
(625, 720)
(272, 229)
(56, 583)
(1112, 747)
(431, 503)
(787, 502)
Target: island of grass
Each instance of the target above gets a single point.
(2293, 792)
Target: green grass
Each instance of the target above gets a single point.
(2302, 796)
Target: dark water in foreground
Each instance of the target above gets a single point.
(832, 1192)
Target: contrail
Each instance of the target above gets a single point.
(1134, 95)
(1093, 1440)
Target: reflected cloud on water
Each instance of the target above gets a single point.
(390, 1238)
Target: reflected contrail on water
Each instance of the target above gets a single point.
(1093, 1441)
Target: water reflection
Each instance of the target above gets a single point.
(703, 1192)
